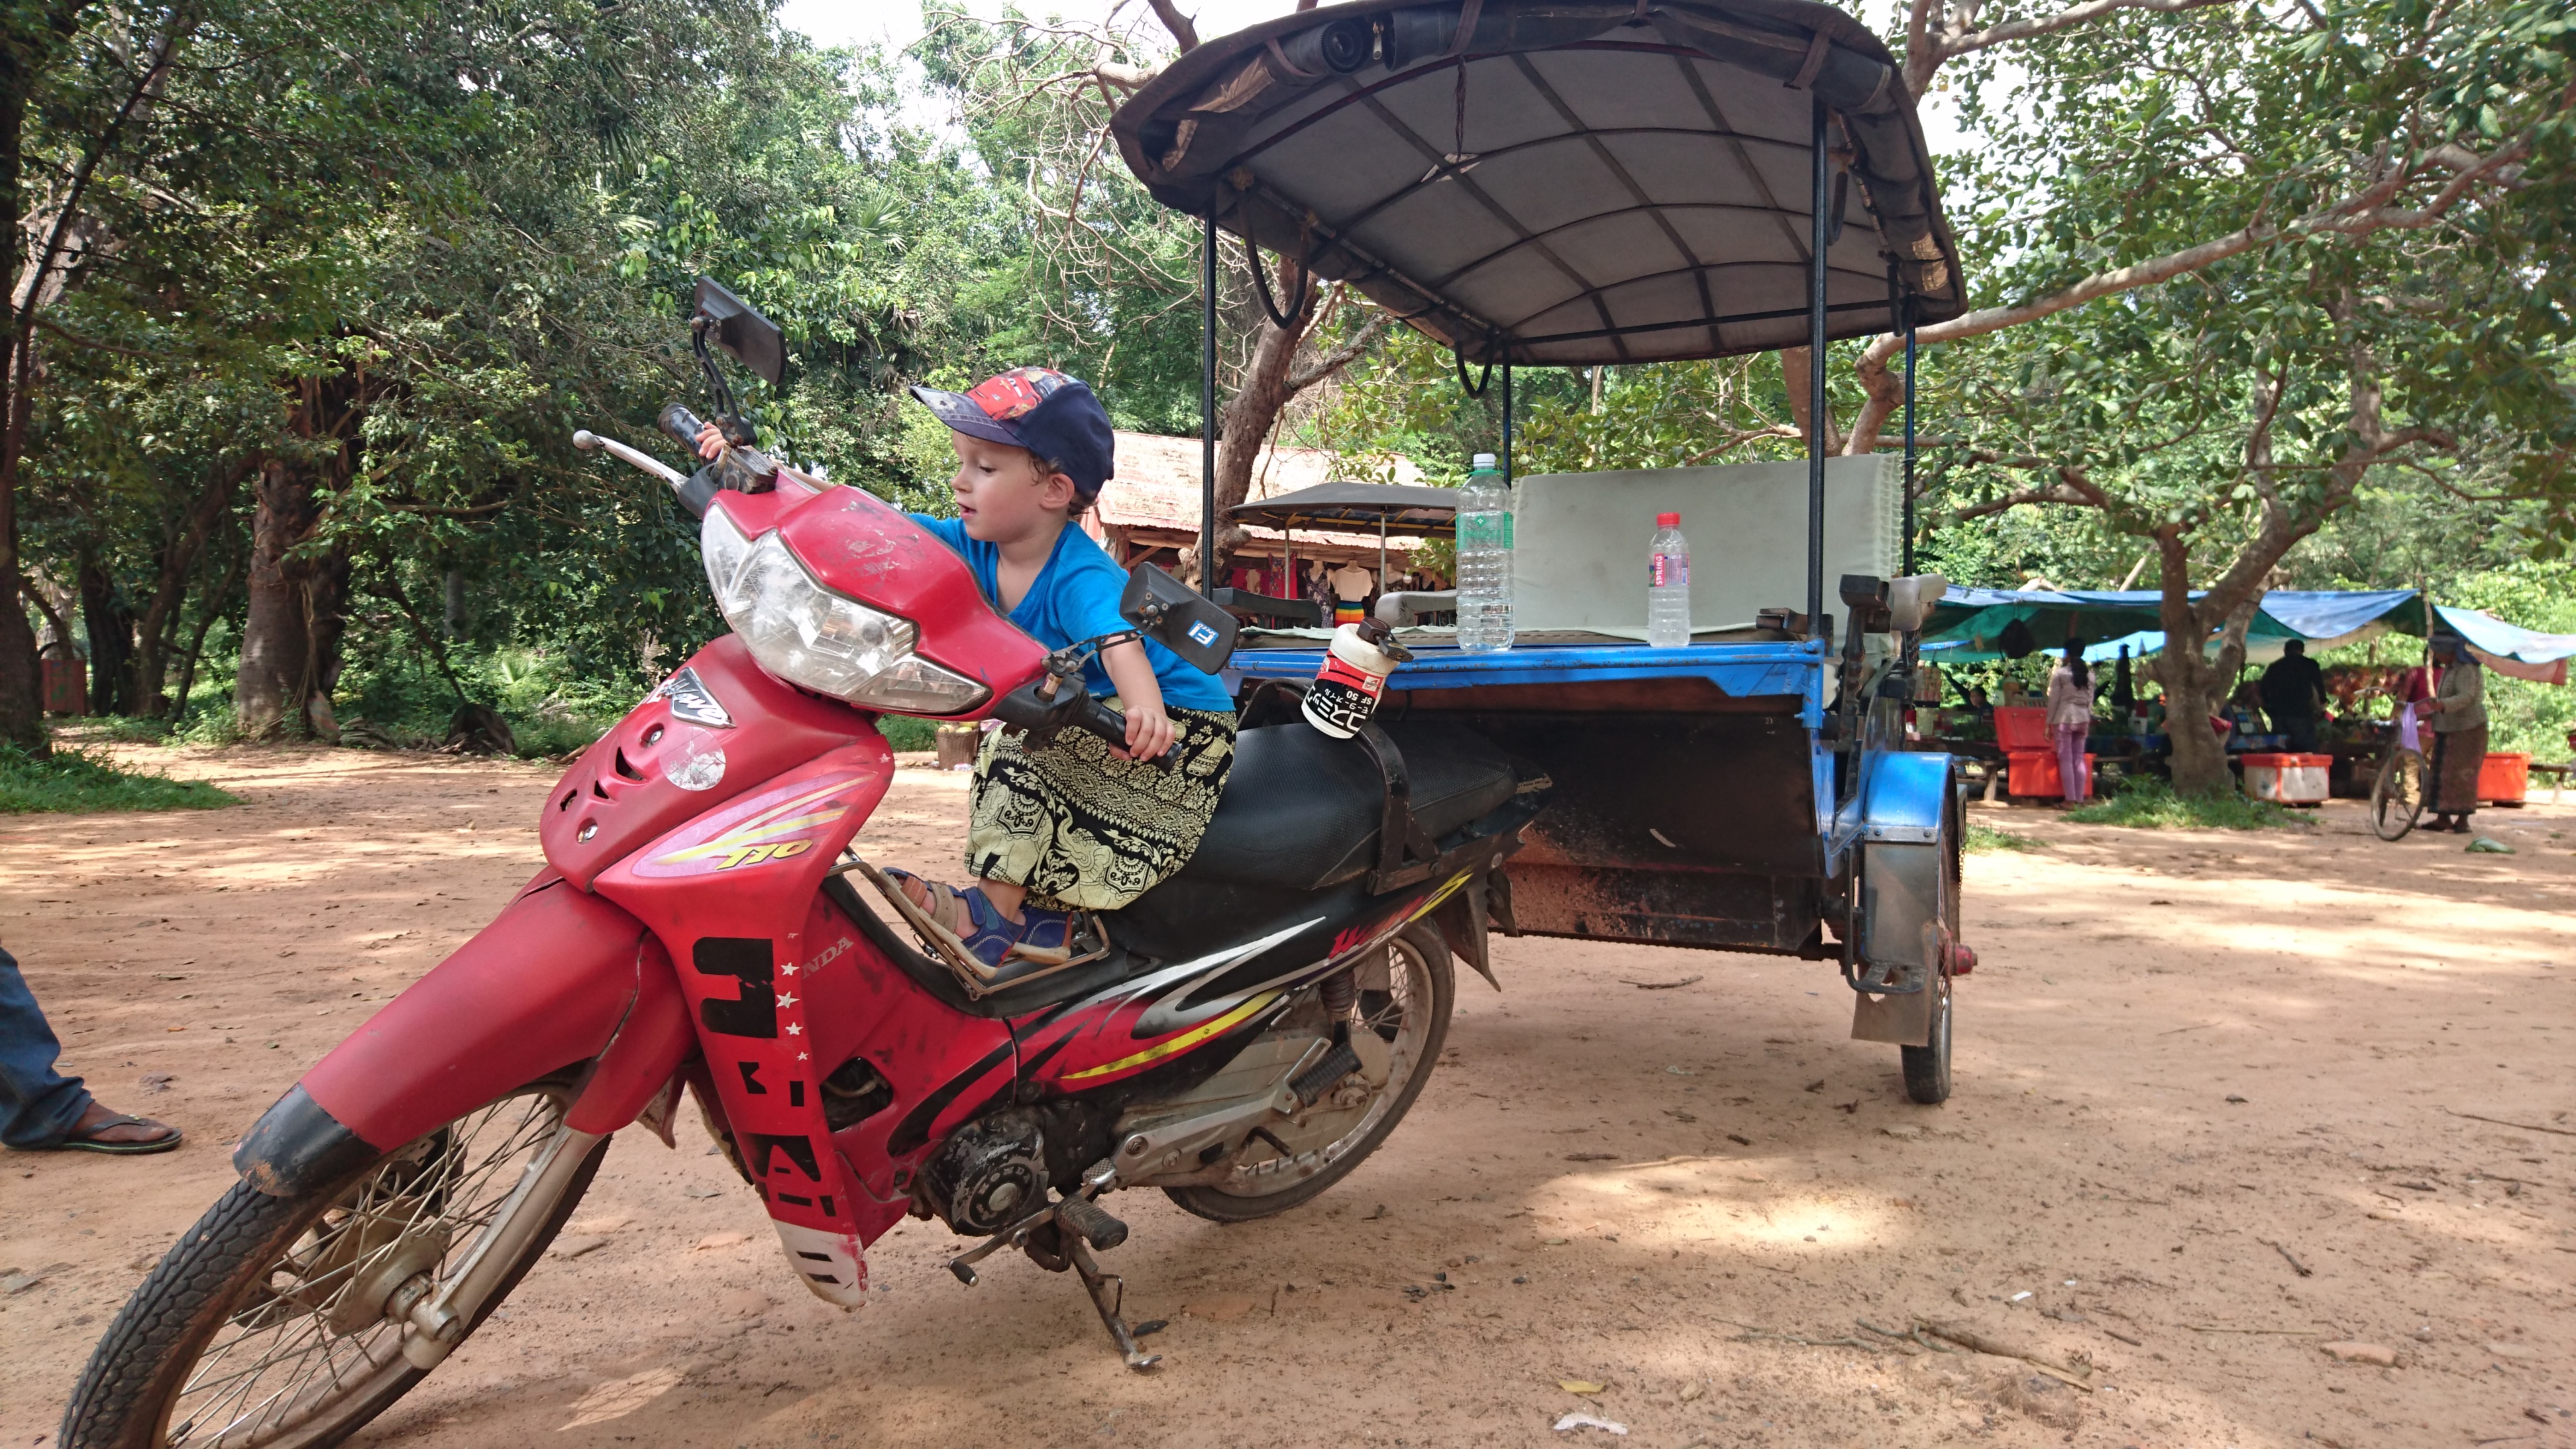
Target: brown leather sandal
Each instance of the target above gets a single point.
(86, 1139)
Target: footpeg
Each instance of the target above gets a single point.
(1097, 1227)
(1312, 1083)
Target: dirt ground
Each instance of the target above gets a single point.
(2223, 1099)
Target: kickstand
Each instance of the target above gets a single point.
(1106, 1300)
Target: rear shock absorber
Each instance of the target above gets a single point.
(1341, 992)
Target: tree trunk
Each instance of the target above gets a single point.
(32, 38)
(1249, 416)
(290, 655)
(109, 623)
(159, 628)
(1794, 370)
(2196, 685)
(208, 611)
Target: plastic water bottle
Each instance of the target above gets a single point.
(1485, 560)
(1668, 585)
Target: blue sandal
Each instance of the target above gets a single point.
(1041, 937)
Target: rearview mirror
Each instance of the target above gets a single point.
(1172, 614)
(754, 340)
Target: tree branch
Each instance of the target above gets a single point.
(1952, 47)
(2361, 214)
(1184, 34)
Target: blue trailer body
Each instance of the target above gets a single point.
(1672, 823)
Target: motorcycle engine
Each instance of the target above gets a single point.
(988, 1176)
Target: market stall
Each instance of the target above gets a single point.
(2119, 628)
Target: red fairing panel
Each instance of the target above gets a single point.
(861, 546)
(549, 983)
(627, 789)
(943, 1066)
(731, 894)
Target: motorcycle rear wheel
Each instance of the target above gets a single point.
(244, 1337)
(1412, 1017)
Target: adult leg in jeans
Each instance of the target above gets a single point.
(41, 1108)
(2070, 763)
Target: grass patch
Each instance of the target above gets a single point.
(1986, 837)
(2148, 803)
(76, 781)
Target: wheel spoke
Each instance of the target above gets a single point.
(276, 1362)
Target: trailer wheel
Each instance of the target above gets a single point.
(1927, 1068)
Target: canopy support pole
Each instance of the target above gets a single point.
(1207, 407)
(1909, 437)
(1507, 422)
(1817, 403)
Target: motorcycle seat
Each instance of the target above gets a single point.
(1301, 809)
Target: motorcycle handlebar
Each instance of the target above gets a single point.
(1110, 725)
(587, 441)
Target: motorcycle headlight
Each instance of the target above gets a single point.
(824, 641)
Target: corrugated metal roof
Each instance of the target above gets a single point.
(1158, 486)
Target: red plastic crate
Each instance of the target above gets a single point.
(2022, 727)
(2034, 772)
(2504, 779)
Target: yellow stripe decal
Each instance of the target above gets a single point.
(1181, 1043)
(738, 838)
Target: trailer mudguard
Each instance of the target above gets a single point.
(1908, 842)
(558, 978)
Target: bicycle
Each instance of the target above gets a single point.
(2397, 796)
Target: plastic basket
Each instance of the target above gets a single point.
(2504, 779)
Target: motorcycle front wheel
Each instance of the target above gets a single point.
(272, 1324)
(1411, 1015)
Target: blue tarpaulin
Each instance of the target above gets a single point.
(1969, 625)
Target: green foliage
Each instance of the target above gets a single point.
(78, 782)
(2148, 803)
(903, 732)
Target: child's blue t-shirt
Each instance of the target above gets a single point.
(1075, 597)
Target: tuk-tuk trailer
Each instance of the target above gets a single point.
(1615, 182)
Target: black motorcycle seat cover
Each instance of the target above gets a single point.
(1301, 809)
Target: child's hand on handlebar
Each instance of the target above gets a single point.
(711, 442)
(1149, 733)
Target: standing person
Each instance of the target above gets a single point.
(2070, 717)
(42, 1110)
(2459, 715)
(2294, 693)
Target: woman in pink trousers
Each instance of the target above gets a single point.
(2070, 718)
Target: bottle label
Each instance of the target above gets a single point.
(1342, 697)
(1484, 530)
(1666, 569)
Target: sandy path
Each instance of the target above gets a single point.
(2356, 995)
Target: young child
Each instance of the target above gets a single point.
(1080, 825)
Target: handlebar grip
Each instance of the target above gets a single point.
(1110, 725)
(683, 426)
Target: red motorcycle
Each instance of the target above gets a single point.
(1241, 1036)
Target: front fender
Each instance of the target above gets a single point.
(559, 977)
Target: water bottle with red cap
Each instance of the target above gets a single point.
(1668, 623)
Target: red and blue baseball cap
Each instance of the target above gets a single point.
(1038, 408)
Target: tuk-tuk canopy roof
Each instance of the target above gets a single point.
(1561, 182)
(1409, 509)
